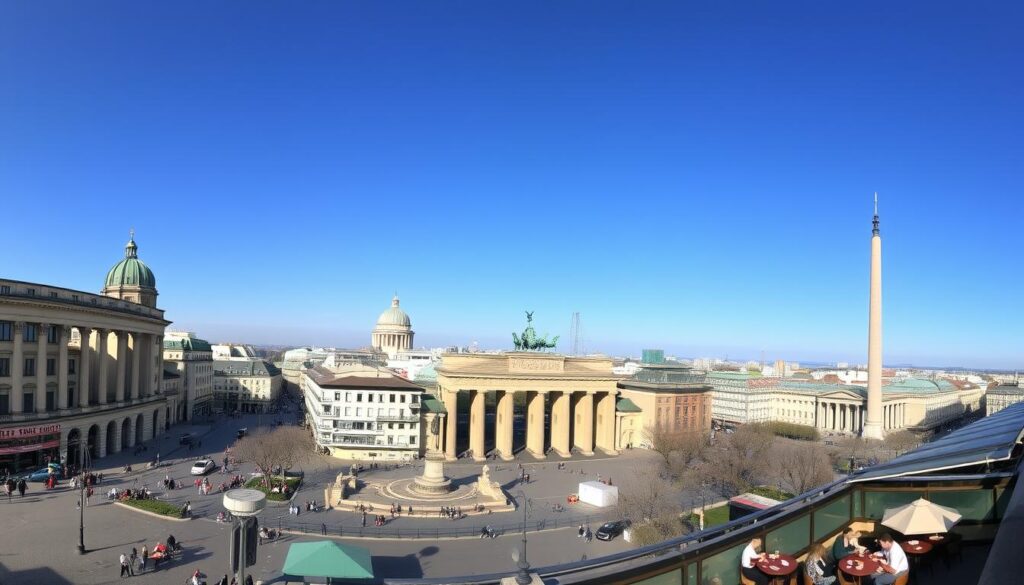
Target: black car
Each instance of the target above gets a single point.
(610, 530)
(185, 439)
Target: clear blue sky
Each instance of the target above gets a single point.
(695, 177)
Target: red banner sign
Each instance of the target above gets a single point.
(25, 432)
(29, 447)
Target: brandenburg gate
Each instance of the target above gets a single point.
(567, 402)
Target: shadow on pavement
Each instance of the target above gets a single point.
(405, 567)
(40, 575)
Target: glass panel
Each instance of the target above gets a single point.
(973, 504)
(725, 565)
(791, 538)
(691, 574)
(671, 578)
(875, 503)
(1002, 500)
(832, 517)
(858, 508)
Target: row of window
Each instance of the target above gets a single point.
(370, 412)
(29, 333)
(29, 368)
(414, 398)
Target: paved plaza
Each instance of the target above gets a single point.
(39, 542)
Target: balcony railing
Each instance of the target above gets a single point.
(397, 418)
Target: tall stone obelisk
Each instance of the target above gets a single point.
(873, 423)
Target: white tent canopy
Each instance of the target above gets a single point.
(920, 517)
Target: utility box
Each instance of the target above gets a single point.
(598, 494)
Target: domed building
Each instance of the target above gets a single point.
(130, 279)
(393, 332)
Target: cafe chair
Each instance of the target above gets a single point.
(744, 580)
(802, 569)
(842, 579)
(902, 579)
(953, 548)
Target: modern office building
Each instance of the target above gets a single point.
(81, 373)
(363, 412)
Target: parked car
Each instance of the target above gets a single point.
(185, 439)
(610, 530)
(42, 473)
(242, 432)
(202, 467)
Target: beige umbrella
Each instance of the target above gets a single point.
(920, 517)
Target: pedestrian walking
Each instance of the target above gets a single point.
(22, 486)
(323, 529)
(580, 532)
(124, 565)
(143, 559)
(133, 559)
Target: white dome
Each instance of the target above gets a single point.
(394, 316)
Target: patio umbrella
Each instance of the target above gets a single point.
(328, 559)
(920, 517)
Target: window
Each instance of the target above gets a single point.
(369, 412)
(51, 366)
(831, 517)
(348, 411)
(401, 426)
(30, 367)
(337, 396)
(725, 566)
(359, 397)
(412, 440)
(74, 298)
(415, 399)
(30, 292)
(792, 537)
(972, 504)
(359, 412)
(29, 333)
(403, 399)
(5, 290)
(370, 398)
(5, 367)
(348, 397)
(392, 397)
(5, 331)
(71, 366)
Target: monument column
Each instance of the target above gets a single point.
(62, 367)
(535, 424)
(873, 426)
(560, 423)
(451, 400)
(84, 384)
(122, 355)
(503, 427)
(584, 415)
(477, 416)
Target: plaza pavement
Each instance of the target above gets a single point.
(40, 535)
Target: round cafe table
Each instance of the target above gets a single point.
(777, 568)
(848, 565)
(916, 546)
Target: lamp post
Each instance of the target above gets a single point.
(243, 505)
(81, 502)
(523, 575)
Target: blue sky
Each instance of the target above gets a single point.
(695, 177)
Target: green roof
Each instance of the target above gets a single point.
(188, 344)
(626, 405)
(327, 558)
(431, 404)
(131, 271)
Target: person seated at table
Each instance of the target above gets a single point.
(818, 569)
(846, 544)
(748, 566)
(894, 561)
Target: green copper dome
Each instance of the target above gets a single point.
(131, 271)
(394, 316)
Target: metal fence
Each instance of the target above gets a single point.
(290, 524)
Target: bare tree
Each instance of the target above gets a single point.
(297, 447)
(652, 504)
(739, 462)
(282, 447)
(902, 441)
(661, 441)
(800, 466)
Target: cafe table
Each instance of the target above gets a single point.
(777, 566)
(858, 566)
(916, 546)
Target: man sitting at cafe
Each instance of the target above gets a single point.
(748, 563)
(894, 561)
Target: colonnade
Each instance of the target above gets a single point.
(846, 417)
(125, 369)
(578, 419)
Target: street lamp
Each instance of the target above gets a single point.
(523, 575)
(81, 503)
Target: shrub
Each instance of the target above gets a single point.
(770, 492)
(155, 506)
(793, 431)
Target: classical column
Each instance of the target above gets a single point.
(584, 416)
(42, 332)
(84, 385)
(62, 367)
(535, 424)
(101, 440)
(873, 425)
(451, 401)
(102, 364)
(17, 371)
(503, 427)
(117, 437)
(606, 423)
(477, 416)
(131, 431)
(122, 355)
(560, 423)
(133, 390)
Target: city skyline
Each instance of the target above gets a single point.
(699, 182)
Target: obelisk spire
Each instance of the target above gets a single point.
(873, 428)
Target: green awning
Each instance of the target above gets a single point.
(328, 559)
(626, 405)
